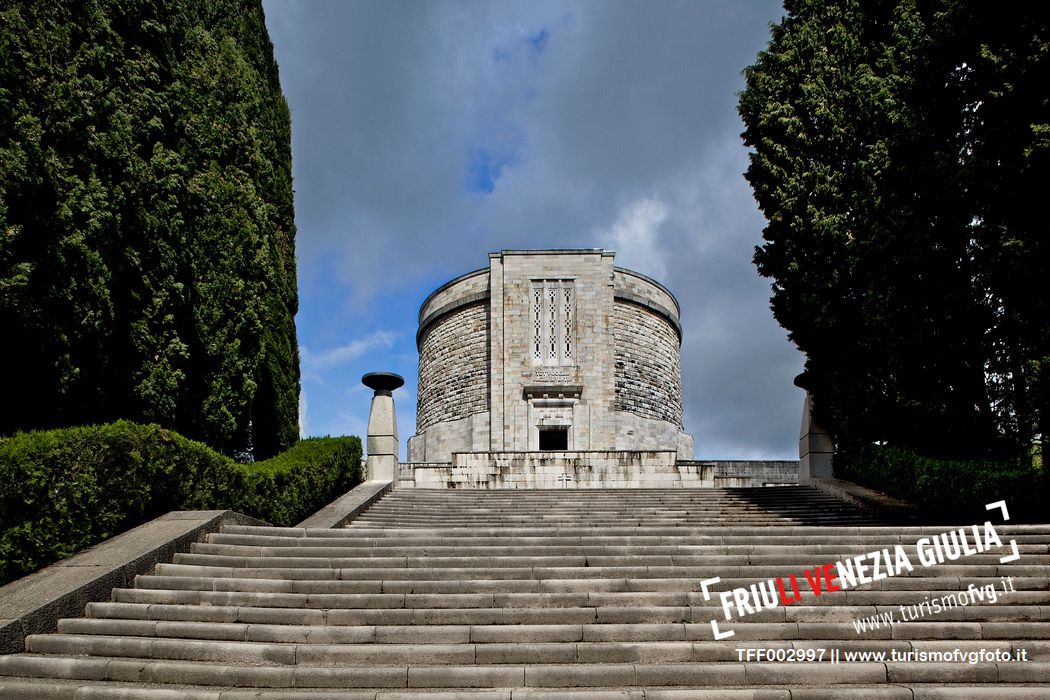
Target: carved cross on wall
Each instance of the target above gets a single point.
(565, 479)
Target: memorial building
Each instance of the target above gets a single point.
(549, 351)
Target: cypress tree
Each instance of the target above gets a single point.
(900, 158)
(147, 264)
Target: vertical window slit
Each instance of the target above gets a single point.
(553, 322)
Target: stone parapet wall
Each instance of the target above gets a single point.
(743, 473)
(648, 364)
(597, 469)
(463, 287)
(636, 287)
(407, 470)
(592, 469)
(439, 441)
(454, 367)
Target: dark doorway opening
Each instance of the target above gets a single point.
(554, 439)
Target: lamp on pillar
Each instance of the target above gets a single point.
(381, 464)
(815, 447)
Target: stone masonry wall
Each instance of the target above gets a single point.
(648, 364)
(633, 432)
(454, 367)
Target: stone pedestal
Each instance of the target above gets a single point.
(815, 448)
(381, 443)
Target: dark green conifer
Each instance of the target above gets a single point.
(900, 158)
(147, 255)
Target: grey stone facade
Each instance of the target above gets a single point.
(544, 346)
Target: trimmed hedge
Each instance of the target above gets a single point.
(67, 489)
(949, 488)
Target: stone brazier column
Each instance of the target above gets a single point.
(815, 448)
(381, 464)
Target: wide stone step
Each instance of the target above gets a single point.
(1030, 622)
(600, 506)
(773, 541)
(35, 689)
(772, 508)
(1037, 647)
(629, 512)
(345, 557)
(561, 495)
(690, 519)
(603, 509)
(783, 530)
(685, 521)
(571, 567)
(330, 585)
(568, 499)
(200, 595)
(539, 675)
(466, 494)
(1027, 591)
(608, 504)
(348, 557)
(727, 530)
(495, 646)
(212, 612)
(492, 546)
(206, 565)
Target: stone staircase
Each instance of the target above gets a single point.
(550, 594)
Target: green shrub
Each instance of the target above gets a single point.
(949, 488)
(64, 490)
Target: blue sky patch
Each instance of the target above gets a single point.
(533, 43)
(500, 55)
(485, 167)
(539, 41)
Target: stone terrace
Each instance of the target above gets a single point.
(543, 594)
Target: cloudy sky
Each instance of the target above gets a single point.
(427, 134)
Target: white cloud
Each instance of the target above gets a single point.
(635, 237)
(332, 357)
(304, 427)
(349, 424)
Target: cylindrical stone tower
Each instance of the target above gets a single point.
(549, 350)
